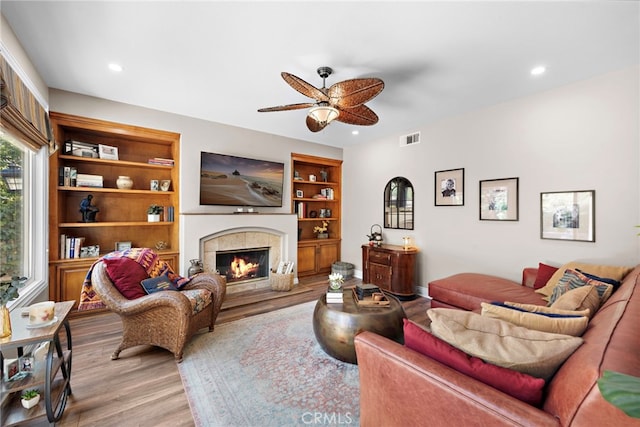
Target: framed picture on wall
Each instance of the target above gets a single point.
(568, 215)
(499, 199)
(449, 187)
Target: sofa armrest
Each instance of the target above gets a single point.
(400, 387)
(529, 275)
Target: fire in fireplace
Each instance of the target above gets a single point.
(243, 264)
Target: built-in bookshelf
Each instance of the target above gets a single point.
(316, 183)
(101, 152)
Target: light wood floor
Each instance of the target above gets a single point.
(143, 387)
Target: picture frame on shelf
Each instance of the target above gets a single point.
(299, 194)
(499, 199)
(108, 152)
(449, 187)
(123, 246)
(568, 215)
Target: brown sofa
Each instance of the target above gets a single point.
(400, 387)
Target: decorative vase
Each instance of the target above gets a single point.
(195, 268)
(28, 404)
(5, 322)
(153, 217)
(124, 182)
(323, 235)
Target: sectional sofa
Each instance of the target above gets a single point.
(400, 386)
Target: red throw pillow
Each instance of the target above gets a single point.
(544, 274)
(126, 274)
(516, 384)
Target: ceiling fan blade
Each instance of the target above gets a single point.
(287, 107)
(354, 92)
(304, 88)
(360, 115)
(315, 126)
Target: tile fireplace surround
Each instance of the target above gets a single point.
(203, 234)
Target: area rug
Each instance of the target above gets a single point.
(268, 370)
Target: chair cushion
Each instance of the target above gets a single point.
(199, 299)
(514, 383)
(126, 274)
(496, 341)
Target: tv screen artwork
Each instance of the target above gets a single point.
(239, 181)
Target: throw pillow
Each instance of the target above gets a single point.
(496, 341)
(126, 275)
(572, 280)
(582, 298)
(514, 383)
(545, 272)
(569, 323)
(614, 272)
(615, 283)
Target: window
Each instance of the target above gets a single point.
(23, 218)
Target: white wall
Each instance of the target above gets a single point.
(584, 136)
(196, 136)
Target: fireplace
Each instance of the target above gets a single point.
(243, 265)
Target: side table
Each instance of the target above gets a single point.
(57, 371)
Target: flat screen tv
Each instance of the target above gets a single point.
(239, 181)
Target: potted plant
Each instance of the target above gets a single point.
(30, 398)
(153, 213)
(322, 231)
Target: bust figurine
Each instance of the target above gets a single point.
(88, 210)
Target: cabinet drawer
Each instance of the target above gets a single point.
(380, 257)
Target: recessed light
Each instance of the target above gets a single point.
(355, 132)
(538, 70)
(115, 67)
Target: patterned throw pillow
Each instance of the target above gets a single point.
(573, 279)
(611, 271)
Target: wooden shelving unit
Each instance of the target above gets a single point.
(122, 215)
(316, 255)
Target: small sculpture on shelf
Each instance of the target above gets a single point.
(88, 210)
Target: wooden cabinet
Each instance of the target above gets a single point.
(391, 268)
(122, 215)
(317, 257)
(316, 183)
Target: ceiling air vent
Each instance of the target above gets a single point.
(411, 139)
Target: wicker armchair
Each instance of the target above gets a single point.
(162, 319)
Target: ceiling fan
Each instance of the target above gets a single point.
(343, 101)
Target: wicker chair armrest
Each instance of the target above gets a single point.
(214, 283)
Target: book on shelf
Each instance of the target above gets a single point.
(168, 213)
(161, 161)
(70, 246)
(87, 180)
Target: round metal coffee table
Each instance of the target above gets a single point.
(336, 325)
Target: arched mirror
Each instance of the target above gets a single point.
(398, 204)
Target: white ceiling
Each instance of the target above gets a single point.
(221, 61)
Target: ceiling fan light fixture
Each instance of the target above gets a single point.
(324, 113)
